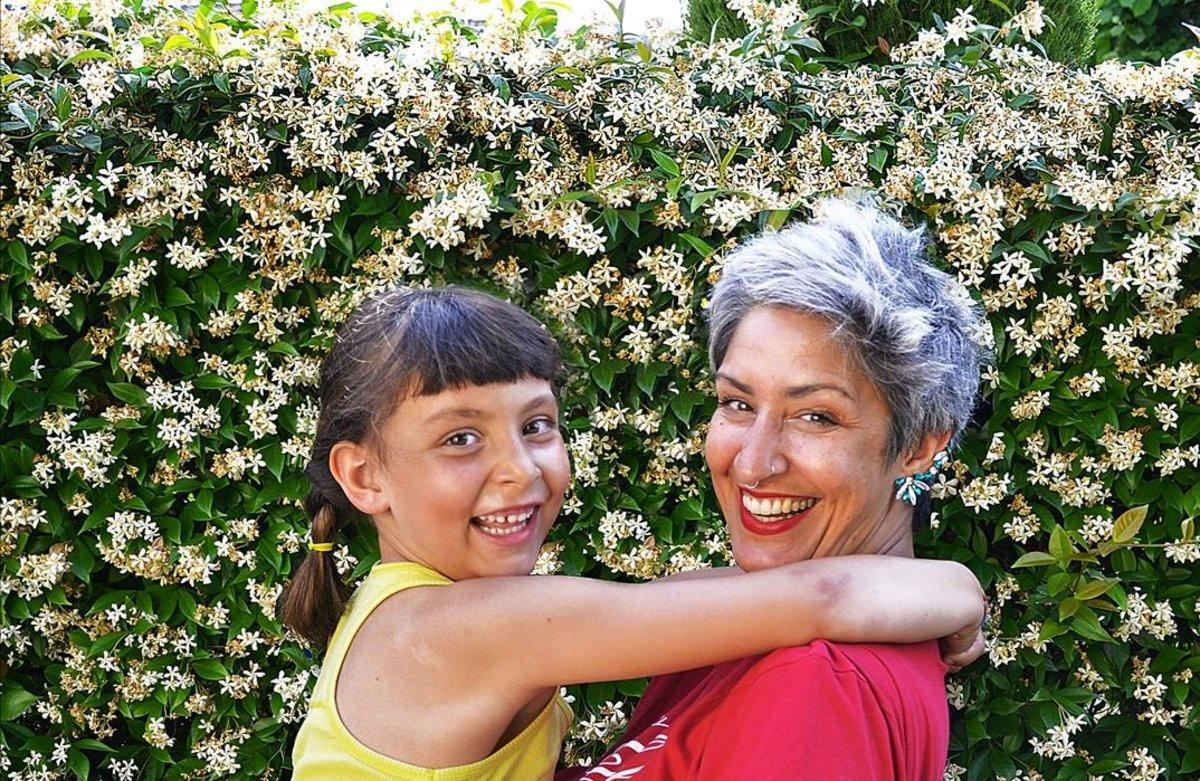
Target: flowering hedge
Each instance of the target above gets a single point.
(190, 205)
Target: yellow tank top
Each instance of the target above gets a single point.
(326, 750)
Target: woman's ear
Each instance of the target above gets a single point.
(357, 472)
(920, 458)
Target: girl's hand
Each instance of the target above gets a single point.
(963, 647)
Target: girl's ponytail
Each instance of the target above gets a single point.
(316, 596)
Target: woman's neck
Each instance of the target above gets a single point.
(893, 537)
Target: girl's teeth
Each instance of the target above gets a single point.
(506, 518)
(503, 525)
(501, 532)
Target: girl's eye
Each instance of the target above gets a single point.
(539, 426)
(461, 439)
(733, 404)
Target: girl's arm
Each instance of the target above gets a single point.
(703, 572)
(535, 632)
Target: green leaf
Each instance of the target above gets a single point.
(14, 702)
(1085, 625)
(777, 217)
(7, 387)
(79, 765)
(1061, 546)
(877, 159)
(178, 41)
(177, 297)
(606, 371)
(1127, 526)
(701, 198)
(1034, 559)
(85, 55)
(1058, 582)
(210, 669)
(1051, 629)
(128, 393)
(698, 244)
(665, 162)
(1093, 589)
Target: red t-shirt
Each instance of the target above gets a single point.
(821, 711)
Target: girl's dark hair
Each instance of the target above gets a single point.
(399, 343)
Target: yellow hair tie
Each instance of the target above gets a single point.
(323, 547)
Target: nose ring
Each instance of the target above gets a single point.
(754, 485)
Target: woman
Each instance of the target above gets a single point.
(845, 365)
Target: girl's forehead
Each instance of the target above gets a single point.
(475, 400)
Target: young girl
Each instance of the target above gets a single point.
(439, 423)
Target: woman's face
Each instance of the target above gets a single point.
(796, 416)
(471, 478)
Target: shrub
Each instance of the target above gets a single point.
(853, 28)
(190, 205)
(1147, 30)
(707, 19)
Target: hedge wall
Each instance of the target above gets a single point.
(190, 205)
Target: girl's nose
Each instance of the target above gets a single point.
(518, 465)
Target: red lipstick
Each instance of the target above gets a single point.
(766, 529)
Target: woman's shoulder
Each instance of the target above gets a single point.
(890, 665)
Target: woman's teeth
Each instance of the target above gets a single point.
(503, 525)
(775, 509)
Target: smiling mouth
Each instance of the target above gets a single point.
(775, 509)
(504, 524)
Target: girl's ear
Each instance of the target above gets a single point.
(358, 472)
(920, 458)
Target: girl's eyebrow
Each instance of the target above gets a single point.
(540, 400)
(796, 391)
(473, 413)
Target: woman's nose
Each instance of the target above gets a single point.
(760, 455)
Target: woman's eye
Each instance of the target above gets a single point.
(820, 418)
(733, 405)
(540, 426)
(461, 439)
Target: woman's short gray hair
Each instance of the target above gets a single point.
(913, 329)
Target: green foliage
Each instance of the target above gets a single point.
(1145, 30)
(708, 19)
(851, 29)
(189, 208)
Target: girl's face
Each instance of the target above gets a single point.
(470, 479)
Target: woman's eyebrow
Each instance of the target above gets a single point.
(795, 391)
(743, 387)
(803, 390)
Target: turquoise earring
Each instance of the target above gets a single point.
(910, 488)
